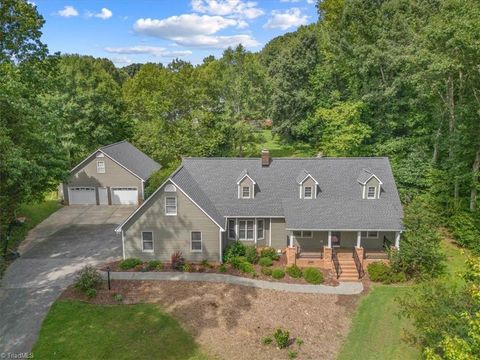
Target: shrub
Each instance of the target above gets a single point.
(466, 230)
(222, 268)
(281, 338)
(237, 261)
(266, 340)
(278, 273)
(205, 263)
(378, 271)
(266, 271)
(88, 278)
(233, 250)
(251, 254)
(292, 354)
(299, 342)
(270, 253)
(265, 261)
(177, 260)
(187, 267)
(313, 276)
(118, 297)
(91, 293)
(159, 267)
(246, 267)
(294, 271)
(130, 263)
(153, 264)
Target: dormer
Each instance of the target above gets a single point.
(307, 185)
(371, 185)
(246, 186)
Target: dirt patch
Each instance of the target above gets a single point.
(229, 321)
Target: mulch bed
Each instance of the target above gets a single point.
(229, 321)
(329, 278)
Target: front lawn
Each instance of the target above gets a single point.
(76, 330)
(279, 149)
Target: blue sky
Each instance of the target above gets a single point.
(157, 31)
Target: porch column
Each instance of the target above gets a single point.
(397, 239)
(290, 242)
(329, 239)
(359, 239)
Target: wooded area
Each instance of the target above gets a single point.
(396, 78)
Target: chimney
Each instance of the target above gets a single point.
(265, 157)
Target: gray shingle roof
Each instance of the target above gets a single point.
(338, 206)
(132, 158)
(365, 175)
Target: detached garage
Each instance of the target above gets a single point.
(112, 175)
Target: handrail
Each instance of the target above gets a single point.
(336, 263)
(358, 264)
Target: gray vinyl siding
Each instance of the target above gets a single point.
(172, 233)
(279, 233)
(115, 175)
(247, 182)
(316, 243)
(348, 239)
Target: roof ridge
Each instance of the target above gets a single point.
(115, 143)
(284, 158)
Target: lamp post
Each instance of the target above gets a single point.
(108, 278)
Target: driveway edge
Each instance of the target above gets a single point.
(345, 288)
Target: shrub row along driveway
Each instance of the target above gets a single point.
(66, 241)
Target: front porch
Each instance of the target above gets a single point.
(346, 252)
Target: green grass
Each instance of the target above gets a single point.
(279, 149)
(76, 330)
(35, 214)
(455, 258)
(376, 331)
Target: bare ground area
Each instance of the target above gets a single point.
(229, 321)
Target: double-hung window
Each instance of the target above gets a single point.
(245, 230)
(171, 205)
(260, 229)
(370, 234)
(101, 166)
(147, 241)
(246, 192)
(302, 234)
(371, 192)
(307, 192)
(196, 241)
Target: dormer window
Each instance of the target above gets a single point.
(371, 184)
(307, 192)
(372, 192)
(246, 186)
(246, 192)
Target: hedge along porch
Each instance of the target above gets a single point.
(325, 248)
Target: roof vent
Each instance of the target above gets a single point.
(265, 157)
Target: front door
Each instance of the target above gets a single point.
(336, 238)
(102, 196)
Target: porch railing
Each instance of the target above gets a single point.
(336, 263)
(358, 264)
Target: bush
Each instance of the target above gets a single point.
(465, 229)
(177, 260)
(118, 297)
(266, 271)
(266, 340)
(378, 271)
(187, 267)
(265, 261)
(278, 273)
(251, 254)
(130, 263)
(153, 264)
(292, 354)
(87, 279)
(313, 276)
(233, 250)
(294, 271)
(206, 264)
(222, 268)
(281, 338)
(159, 267)
(91, 293)
(237, 261)
(246, 267)
(270, 253)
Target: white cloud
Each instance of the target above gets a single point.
(104, 14)
(68, 11)
(233, 8)
(291, 1)
(152, 50)
(122, 60)
(286, 19)
(182, 26)
(311, 2)
(218, 42)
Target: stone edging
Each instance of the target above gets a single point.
(344, 288)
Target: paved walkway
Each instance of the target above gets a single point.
(51, 255)
(345, 288)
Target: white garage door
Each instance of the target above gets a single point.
(124, 196)
(82, 195)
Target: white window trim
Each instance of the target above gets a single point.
(263, 229)
(249, 192)
(234, 229)
(302, 236)
(99, 170)
(246, 230)
(176, 206)
(311, 192)
(191, 242)
(368, 236)
(374, 192)
(153, 241)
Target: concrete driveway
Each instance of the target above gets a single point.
(51, 255)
